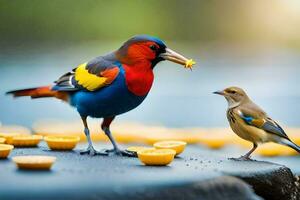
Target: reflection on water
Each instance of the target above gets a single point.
(178, 98)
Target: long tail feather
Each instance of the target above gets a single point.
(290, 144)
(39, 92)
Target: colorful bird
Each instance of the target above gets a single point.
(110, 85)
(251, 123)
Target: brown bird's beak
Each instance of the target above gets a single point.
(177, 58)
(220, 92)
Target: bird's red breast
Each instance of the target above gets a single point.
(138, 67)
(139, 78)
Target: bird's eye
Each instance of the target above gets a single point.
(153, 47)
(231, 91)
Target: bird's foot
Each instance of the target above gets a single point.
(118, 152)
(242, 158)
(92, 152)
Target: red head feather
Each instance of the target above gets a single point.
(138, 57)
(138, 67)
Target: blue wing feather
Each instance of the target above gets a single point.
(247, 119)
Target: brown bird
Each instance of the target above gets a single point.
(251, 123)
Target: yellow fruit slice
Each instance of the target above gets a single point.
(9, 136)
(242, 143)
(62, 142)
(64, 128)
(190, 136)
(178, 146)
(5, 150)
(135, 149)
(26, 140)
(214, 143)
(273, 149)
(34, 162)
(127, 137)
(156, 157)
(216, 138)
(294, 134)
(2, 140)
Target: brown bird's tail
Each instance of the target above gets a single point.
(291, 144)
(39, 92)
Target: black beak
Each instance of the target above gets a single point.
(219, 93)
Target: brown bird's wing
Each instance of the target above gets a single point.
(273, 127)
(255, 116)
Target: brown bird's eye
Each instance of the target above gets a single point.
(231, 92)
(153, 47)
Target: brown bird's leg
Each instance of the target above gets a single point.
(105, 127)
(90, 150)
(247, 155)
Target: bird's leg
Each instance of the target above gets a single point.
(90, 150)
(247, 155)
(105, 127)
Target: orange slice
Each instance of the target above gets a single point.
(157, 134)
(156, 157)
(214, 143)
(178, 146)
(26, 140)
(135, 149)
(5, 150)
(64, 128)
(216, 138)
(273, 149)
(9, 136)
(242, 143)
(34, 162)
(61, 142)
(2, 140)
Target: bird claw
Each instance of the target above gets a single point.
(118, 152)
(127, 153)
(92, 152)
(107, 150)
(242, 158)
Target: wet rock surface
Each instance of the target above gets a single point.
(221, 188)
(278, 184)
(198, 173)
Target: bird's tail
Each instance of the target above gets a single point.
(39, 92)
(291, 144)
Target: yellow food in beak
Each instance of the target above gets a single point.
(175, 57)
(189, 63)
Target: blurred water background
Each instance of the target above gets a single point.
(251, 44)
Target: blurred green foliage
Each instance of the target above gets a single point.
(270, 21)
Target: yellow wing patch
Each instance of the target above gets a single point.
(258, 122)
(87, 80)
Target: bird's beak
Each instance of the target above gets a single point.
(220, 92)
(177, 58)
